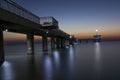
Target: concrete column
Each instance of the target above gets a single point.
(30, 44)
(58, 43)
(52, 43)
(62, 43)
(44, 43)
(70, 42)
(67, 42)
(1, 47)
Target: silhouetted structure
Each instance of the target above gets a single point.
(14, 18)
(97, 38)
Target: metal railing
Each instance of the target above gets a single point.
(48, 21)
(18, 10)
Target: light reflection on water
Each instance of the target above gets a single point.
(7, 71)
(56, 55)
(48, 68)
(86, 61)
(97, 60)
(97, 52)
(71, 58)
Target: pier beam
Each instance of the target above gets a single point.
(44, 43)
(30, 44)
(1, 47)
(52, 43)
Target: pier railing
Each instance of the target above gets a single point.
(18, 10)
(49, 22)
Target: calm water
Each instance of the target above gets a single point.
(85, 61)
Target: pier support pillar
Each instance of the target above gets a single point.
(30, 44)
(1, 47)
(70, 42)
(58, 43)
(62, 43)
(52, 43)
(44, 43)
(67, 42)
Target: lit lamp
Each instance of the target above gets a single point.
(70, 36)
(47, 32)
(6, 30)
(96, 31)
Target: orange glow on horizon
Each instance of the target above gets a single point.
(113, 34)
(107, 34)
(16, 37)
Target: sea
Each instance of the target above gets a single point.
(81, 61)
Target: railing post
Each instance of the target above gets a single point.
(1, 47)
(30, 43)
(44, 43)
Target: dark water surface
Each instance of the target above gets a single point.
(85, 61)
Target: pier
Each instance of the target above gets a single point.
(14, 18)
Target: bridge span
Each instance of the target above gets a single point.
(14, 18)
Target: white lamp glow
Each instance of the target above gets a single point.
(96, 30)
(6, 30)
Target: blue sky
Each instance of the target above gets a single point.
(79, 16)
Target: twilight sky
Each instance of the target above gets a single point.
(79, 17)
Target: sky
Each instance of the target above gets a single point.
(78, 17)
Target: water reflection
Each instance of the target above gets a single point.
(97, 52)
(97, 60)
(71, 58)
(80, 62)
(7, 73)
(48, 68)
(31, 67)
(56, 57)
(71, 53)
(60, 63)
(71, 63)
